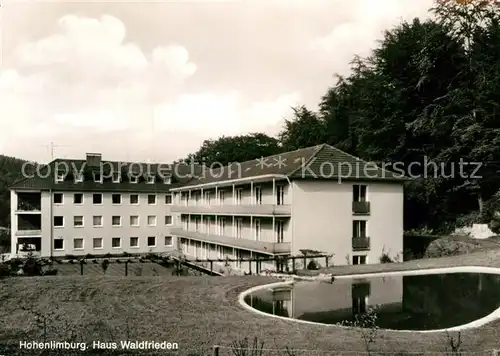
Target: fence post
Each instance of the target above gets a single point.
(326, 261)
(305, 262)
(293, 264)
(81, 268)
(126, 268)
(211, 266)
(216, 350)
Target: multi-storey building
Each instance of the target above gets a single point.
(80, 207)
(317, 198)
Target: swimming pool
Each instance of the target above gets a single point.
(424, 300)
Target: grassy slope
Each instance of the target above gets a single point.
(197, 312)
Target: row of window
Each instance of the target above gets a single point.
(116, 242)
(115, 178)
(116, 220)
(97, 198)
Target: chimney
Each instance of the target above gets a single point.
(94, 159)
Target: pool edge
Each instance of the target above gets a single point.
(468, 269)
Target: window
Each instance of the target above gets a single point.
(168, 241)
(97, 220)
(359, 228)
(97, 198)
(258, 195)
(168, 220)
(280, 227)
(116, 242)
(58, 221)
(134, 242)
(150, 180)
(60, 177)
(239, 228)
(117, 177)
(151, 199)
(78, 221)
(358, 260)
(78, 243)
(134, 179)
(58, 244)
(239, 196)
(196, 224)
(97, 243)
(151, 241)
(58, 198)
(168, 199)
(97, 177)
(197, 197)
(221, 196)
(78, 198)
(222, 226)
(116, 198)
(134, 199)
(79, 177)
(134, 220)
(280, 195)
(116, 220)
(167, 180)
(151, 220)
(359, 192)
(208, 198)
(258, 230)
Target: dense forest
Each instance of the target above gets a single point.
(427, 98)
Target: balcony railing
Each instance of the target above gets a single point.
(252, 245)
(360, 243)
(233, 209)
(32, 232)
(27, 206)
(361, 207)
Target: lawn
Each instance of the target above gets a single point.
(198, 312)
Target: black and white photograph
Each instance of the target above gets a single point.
(250, 177)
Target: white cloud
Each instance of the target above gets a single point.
(366, 23)
(86, 80)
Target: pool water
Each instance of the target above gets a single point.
(416, 302)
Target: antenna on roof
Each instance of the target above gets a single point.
(51, 146)
(153, 113)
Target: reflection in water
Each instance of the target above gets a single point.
(422, 302)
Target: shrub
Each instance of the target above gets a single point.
(494, 225)
(4, 270)
(385, 258)
(104, 265)
(50, 272)
(313, 265)
(32, 267)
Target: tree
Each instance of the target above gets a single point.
(228, 149)
(305, 129)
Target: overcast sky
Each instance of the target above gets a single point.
(150, 81)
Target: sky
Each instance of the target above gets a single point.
(150, 81)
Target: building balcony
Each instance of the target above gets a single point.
(360, 243)
(230, 209)
(361, 207)
(32, 232)
(246, 244)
